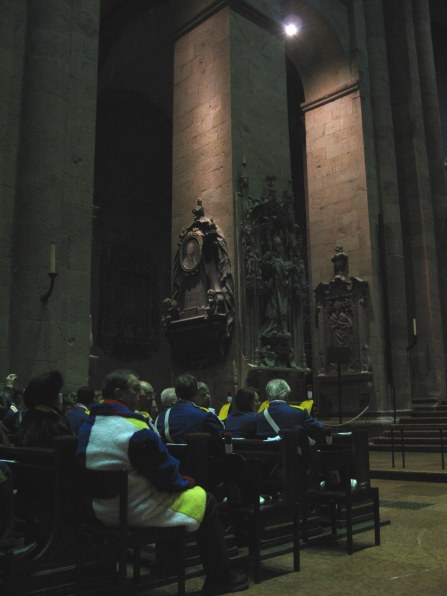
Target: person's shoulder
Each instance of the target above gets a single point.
(248, 415)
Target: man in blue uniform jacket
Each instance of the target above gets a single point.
(281, 415)
(185, 416)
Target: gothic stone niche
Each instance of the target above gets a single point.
(198, 318)
(341, 325)
(274, 279)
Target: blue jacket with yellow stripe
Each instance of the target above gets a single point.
(114, 437)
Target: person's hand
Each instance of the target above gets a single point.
(11, 379)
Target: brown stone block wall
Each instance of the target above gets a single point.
(259, 108)
(337, 195)
(201, 126)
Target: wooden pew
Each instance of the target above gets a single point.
(244, 473)
(46, 510)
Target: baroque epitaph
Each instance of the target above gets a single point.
(198, 318)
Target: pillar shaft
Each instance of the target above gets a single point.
(54, 195)
(225, 109)
(391, 275)
(434, 144)
(421, 264)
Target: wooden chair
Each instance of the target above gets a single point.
(243, 474)
(335, 468)
(122, 538)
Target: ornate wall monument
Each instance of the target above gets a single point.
(272, 285)
(342, 338)
(198, 318)
(273, 278)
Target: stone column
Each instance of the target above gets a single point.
(427, 358)
(54, 196)
(12, 47)
(225, 109)
(392, 279)
(434, 144)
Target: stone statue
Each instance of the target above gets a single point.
(276, 272)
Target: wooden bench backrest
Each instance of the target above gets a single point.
(46, 483)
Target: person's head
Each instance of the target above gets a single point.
(168, 397)
(11, 380)
(186, 387)
(85, 395)
(68, 401)
(277, 389)
(44, 390)
(123, 386)
(204, 396)
(148, 401)
(247, 400)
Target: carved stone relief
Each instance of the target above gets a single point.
(273, 279)
(341, 320)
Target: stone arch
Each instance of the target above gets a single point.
(320, 52)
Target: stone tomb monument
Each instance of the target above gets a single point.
(341, 340)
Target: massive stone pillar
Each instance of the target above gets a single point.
(12, 43)
(434, 145)
(415, 171)
(54, 195)
(389, 245)
(225, 110)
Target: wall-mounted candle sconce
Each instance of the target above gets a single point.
(52, 273)
(415, 336)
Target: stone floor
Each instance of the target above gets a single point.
(412, 558)
(417, 462)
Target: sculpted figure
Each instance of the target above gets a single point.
(341, 326)
(277, 272)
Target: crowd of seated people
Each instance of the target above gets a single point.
(127, 427)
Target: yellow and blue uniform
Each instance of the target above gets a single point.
(186, 417)
(241, 425)
(286, 416)
(112, 438)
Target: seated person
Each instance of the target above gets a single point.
(11, 404)
(168, 398)
(76, 415)
(281, 415)
(147, 404)
(241, 422)
(43, 420)
(113, 437)
(203, 399)
(185, 416)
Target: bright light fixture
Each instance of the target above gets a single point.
(291, 29)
